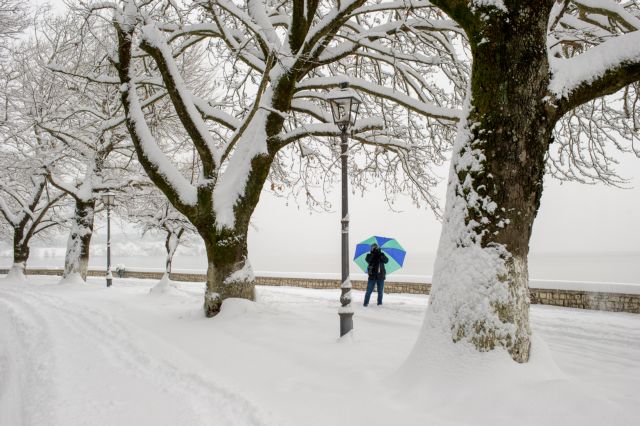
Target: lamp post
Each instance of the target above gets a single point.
(344, 108)
(108, 199)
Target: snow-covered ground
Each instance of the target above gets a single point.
(73, 354)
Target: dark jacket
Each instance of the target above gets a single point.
(376, 260)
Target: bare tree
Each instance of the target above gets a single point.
(154, 214)
(13, 20)
(27, 203)
(273, 63)
(536, 63)
(88, 123)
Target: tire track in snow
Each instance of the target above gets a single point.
(26, 365)
(208, 402)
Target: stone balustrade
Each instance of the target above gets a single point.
(582, 299)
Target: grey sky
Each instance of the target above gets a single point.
(572, 218)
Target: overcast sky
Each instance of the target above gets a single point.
(572, 218)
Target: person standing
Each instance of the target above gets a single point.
(377, 273)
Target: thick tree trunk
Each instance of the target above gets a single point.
(480, 286)
(77, 256)
(229, 273)
(20, 254)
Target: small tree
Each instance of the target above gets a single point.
(154, 214)
(27, 203)
(87, 123)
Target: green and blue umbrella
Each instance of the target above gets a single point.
(389, 246)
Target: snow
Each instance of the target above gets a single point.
(569, 74)
(89, 355)
(129, 16)
(16, 272)
(614, 8)
(423, 108)
(164, 286)
(251, 143)
(154, 38)
(245, 274)
(154, 154)
(73, 278)
(468, 281)
(498, 4)
(257, 11)
(74, 243)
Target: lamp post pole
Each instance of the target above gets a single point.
(344, 108)
(109, 276)
(108, 199)
(345, 312)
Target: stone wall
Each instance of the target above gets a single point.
(389, 286)
(615, 302)
(599, 301)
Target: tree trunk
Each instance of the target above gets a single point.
(170, 244)
(229, 273)
(20, 254)
(480, 286)
(77, 256)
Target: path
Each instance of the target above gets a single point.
(63, 363)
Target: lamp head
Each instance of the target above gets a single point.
(108, 198)
(345, 103)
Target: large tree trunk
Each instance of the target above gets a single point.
(480, 286)
(77, 256)
(20, 254)
(229, 273)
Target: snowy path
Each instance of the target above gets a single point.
(82, 366)
(86, 355)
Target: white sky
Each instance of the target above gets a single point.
(572, 218)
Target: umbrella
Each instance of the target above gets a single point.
(389, 246)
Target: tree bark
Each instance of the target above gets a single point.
(20, 253)
(229, 273)
(480, 286)
(171, 243)
(77, 255)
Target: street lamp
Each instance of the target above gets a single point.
(344, 108)
(108, 199)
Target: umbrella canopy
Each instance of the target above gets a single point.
(389, 246)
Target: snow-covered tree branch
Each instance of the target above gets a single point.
(540, 70)
(270, 65)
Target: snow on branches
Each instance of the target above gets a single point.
(28, 203)
(263, 71)
(594, 52)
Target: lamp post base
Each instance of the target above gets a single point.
(346, 323)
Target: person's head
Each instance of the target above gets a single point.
(374, 247)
